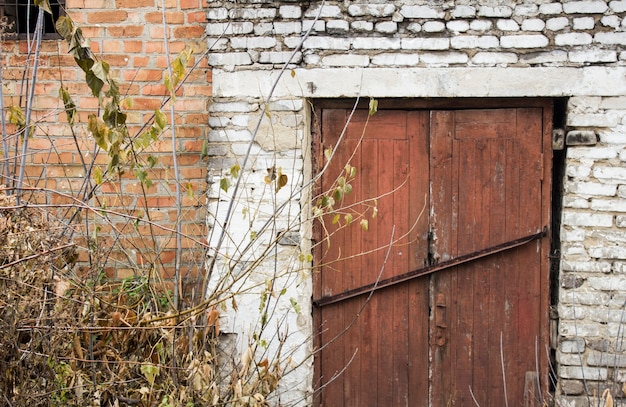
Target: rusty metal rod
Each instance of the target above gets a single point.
(466, 258)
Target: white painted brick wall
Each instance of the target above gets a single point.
(463, 11)
(557, 23)
(587, 219)
(425, 12)
(494, 42)
(618, 6)
(494, 58)
(362, 26)
(585, 7)
(426, 43)
(474, 41)
(592, 56)
(507, 25)
(375, 10)
(533, 24)
(573, 39)
(389, 59)
(495, 11)
(458, 26)
(376, 43)
(337, 26)
(287, 11)
(524, 41)
(550, 8)
(346, 60)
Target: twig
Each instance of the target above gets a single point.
(506, 399)
(473, 398)
(177, 281)
(537, 369)
(29, 102)
(34, 256)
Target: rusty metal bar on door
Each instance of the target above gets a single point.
(355, 292)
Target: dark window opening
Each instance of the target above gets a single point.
(20, 17)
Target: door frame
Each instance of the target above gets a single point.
(547, 104)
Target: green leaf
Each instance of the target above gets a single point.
(113, 116)
(336, 219)
(373, 106)
(150, 372)
(97, 175)
(94, 83)
(338, 194)
(348, 218)
(205, 150)
(114, 89)
(224, 184)
(234, 171)
(168, 84)
(99, 131)
(253, 234)
(326, 201)
(44, 5)
(295, 305)
(101, 70)
(16, 116)
(84, 63)
(64, 27)
(364, 224)
(189, 190)
(70, 106)
(160, 119)
(142, 176)
(152, 161)
(350, 171)
(328, 153)
(78, 46)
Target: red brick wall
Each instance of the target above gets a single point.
(128, 34)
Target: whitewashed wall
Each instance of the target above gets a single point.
(418, 49)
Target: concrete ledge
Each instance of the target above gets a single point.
(423, 82)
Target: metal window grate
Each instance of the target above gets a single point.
(20, 16)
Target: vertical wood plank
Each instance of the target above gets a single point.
(370, 267)
(418, 289)
(444, 247)
(332, 278)
(352, 275)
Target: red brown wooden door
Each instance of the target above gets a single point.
(445, 184)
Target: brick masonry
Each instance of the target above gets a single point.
(129, 36)
(571, 49)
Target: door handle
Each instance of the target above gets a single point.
(440, 319)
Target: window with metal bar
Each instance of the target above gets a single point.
(20, 17)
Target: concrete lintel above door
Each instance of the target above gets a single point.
(423, 82)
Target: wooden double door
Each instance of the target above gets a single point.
(443, 300)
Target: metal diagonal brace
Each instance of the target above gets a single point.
(355, 292)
